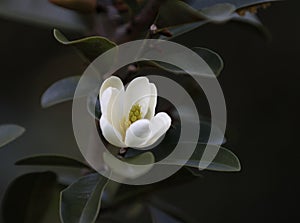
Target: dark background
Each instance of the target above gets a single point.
(260, 83)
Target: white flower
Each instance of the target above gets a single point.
(127, 118)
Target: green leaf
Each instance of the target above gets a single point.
(183, 28)
(144, 162)
(80, 202)
(32, 198)
(90, 47)
(225, 160)
(201, 4)
(9, 133)
(175, 12)
(214, 61)
(51, 160)
(61, 91)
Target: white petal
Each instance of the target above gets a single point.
(107, 99)
(117, 113)
(139, 91)
(152, 103)
(113, 82)
(110, 134)
(138, 133)
(159, 125)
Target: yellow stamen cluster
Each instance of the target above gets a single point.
(135, 113)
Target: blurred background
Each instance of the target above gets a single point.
(260, 83)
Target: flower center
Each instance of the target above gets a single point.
(135, 113)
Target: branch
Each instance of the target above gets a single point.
(139, 23)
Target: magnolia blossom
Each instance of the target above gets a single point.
(127, 118)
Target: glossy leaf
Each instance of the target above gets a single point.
(225, 160)
(32, 198)
(61, 91)
(9, 133)
(51, 160)
(214, 61)
(143, 163)
(81, 201)
(175, 12)
(201, 4)
(91, 47)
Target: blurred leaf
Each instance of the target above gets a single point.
(219, 12)
(253, 20)
(144, 162)
(214, 61)
(201, 4)
(32, 198)
(51, 160)
(175, 12)
(183, 28)
(61, 91)
(80, 202)
(9, 133)
(91, 47)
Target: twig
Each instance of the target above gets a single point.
(139, 23)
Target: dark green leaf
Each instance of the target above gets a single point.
(32, 198)
(80, 202)
(214, 61)
(225, 160)
(143, 163)
(61, 91)
(9, 133)
(211, 58)
(90, 47)
(175, 12)
(51, 160)
(201, 4)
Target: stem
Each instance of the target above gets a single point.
(139, 23)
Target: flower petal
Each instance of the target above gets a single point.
(113, 82)
(152, 102)
(137, 133)
(110, 134)
(139, 91)
(159, 125)
(107, 100)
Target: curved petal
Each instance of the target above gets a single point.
(113, 82)
(139, 91)
(138, 133)
(107, 100)
(117, 113)
(110, 134)
(152, 102)
(159, 125)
